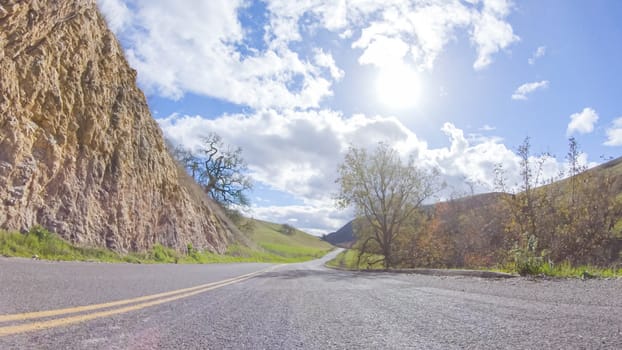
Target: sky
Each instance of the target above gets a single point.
(457, 85)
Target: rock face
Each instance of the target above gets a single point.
(80, 153)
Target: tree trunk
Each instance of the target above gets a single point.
(387, 257)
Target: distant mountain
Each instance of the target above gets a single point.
(344, 237)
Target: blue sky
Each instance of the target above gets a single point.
(457, 84)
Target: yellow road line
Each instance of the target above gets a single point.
(71, 310)
(177, 294)
(37, 326)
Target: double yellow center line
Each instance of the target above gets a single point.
(107, 309)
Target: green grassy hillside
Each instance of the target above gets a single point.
(287, 242)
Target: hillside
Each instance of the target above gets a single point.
(611, 168)
(80, 153)
(614, 166)
(473, 231)
(344, 237)
(286, 241)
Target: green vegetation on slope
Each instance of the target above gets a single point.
(272, 246)
(286, 242)
(566, 226)
(46, 245)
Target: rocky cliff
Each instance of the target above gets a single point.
(80, 153)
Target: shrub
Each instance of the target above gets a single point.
(161, 253)
(40, 233)
(526, 261)
(287, 229)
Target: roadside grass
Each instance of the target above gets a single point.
(566, 270)
(49, 246)
(347, 260)
(239, 253)
(272, 249)
(288, 251)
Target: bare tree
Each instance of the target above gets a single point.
(531, 200)
(574, 168)
(219, 169)
(386, 193)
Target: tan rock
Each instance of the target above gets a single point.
(80, 153)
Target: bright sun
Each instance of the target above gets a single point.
(398, 87)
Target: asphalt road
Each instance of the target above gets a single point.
(296, 306)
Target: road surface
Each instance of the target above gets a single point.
(297, 306)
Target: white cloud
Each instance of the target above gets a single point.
(490, 32)
(118, 15)
(202, 47)
(426, 27)
(614, 133)
(528, 88)
(326, 60)
(382, 51)
(298, 152)
(487, 127)
(582, 122)
(540, 52)
(294, 152)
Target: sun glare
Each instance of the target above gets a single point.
(398, 87)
